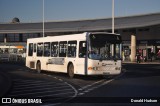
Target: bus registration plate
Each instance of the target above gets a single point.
(106, 73)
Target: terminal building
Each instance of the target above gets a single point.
(143, 31)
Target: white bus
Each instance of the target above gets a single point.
(89, 53)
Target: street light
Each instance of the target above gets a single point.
(43, 18)
(113, 16)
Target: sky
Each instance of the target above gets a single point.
(60, 10)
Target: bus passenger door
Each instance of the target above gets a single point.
(31, 56)
(82, 58)
(34, 55)
(34, 51)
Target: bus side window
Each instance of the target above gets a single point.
(30, 51)
(82, 49)
(62, 48)
(39, 49)
(47, 49)
(54, 49)
(72, 46)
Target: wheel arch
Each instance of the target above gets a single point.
(71, 69)
(68, 65)
(38, 61)
(38, 66)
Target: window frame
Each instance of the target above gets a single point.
(30, 49)
(55, 52)
(82, 50)
(40, 49)
(63, 48)
(72, 54)
(46, 53)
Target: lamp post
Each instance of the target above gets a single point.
(113, 16)
(43, 18)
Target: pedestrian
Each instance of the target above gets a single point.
(151, 54)
(158, 55)
(138, 56)
(123, 57)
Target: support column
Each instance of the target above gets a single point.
(5, 38)
(133, 48)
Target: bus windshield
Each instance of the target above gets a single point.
(105, 47)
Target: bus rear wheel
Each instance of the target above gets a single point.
(38, 67)
(71, 70)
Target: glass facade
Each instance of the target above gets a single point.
(17, 37)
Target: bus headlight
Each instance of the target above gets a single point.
(90, 68)
(93, 68)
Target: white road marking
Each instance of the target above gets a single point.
(31, 93)
(60, 79)
(33, 82)
(42, 84)
(39, 86)
(94, 85)
(80, 89)
(86, 91)
(40, 89)
(81, 93)
(60, 89)
(87, 86)
(76, 92)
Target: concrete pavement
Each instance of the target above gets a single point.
(5, 83)
(147, 62)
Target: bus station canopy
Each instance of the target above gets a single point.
(126, 22)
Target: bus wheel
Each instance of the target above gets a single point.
(38, 67)
(71, 70)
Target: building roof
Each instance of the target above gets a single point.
(83, 25)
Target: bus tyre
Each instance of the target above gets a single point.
(71, 70)
(38, 67)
